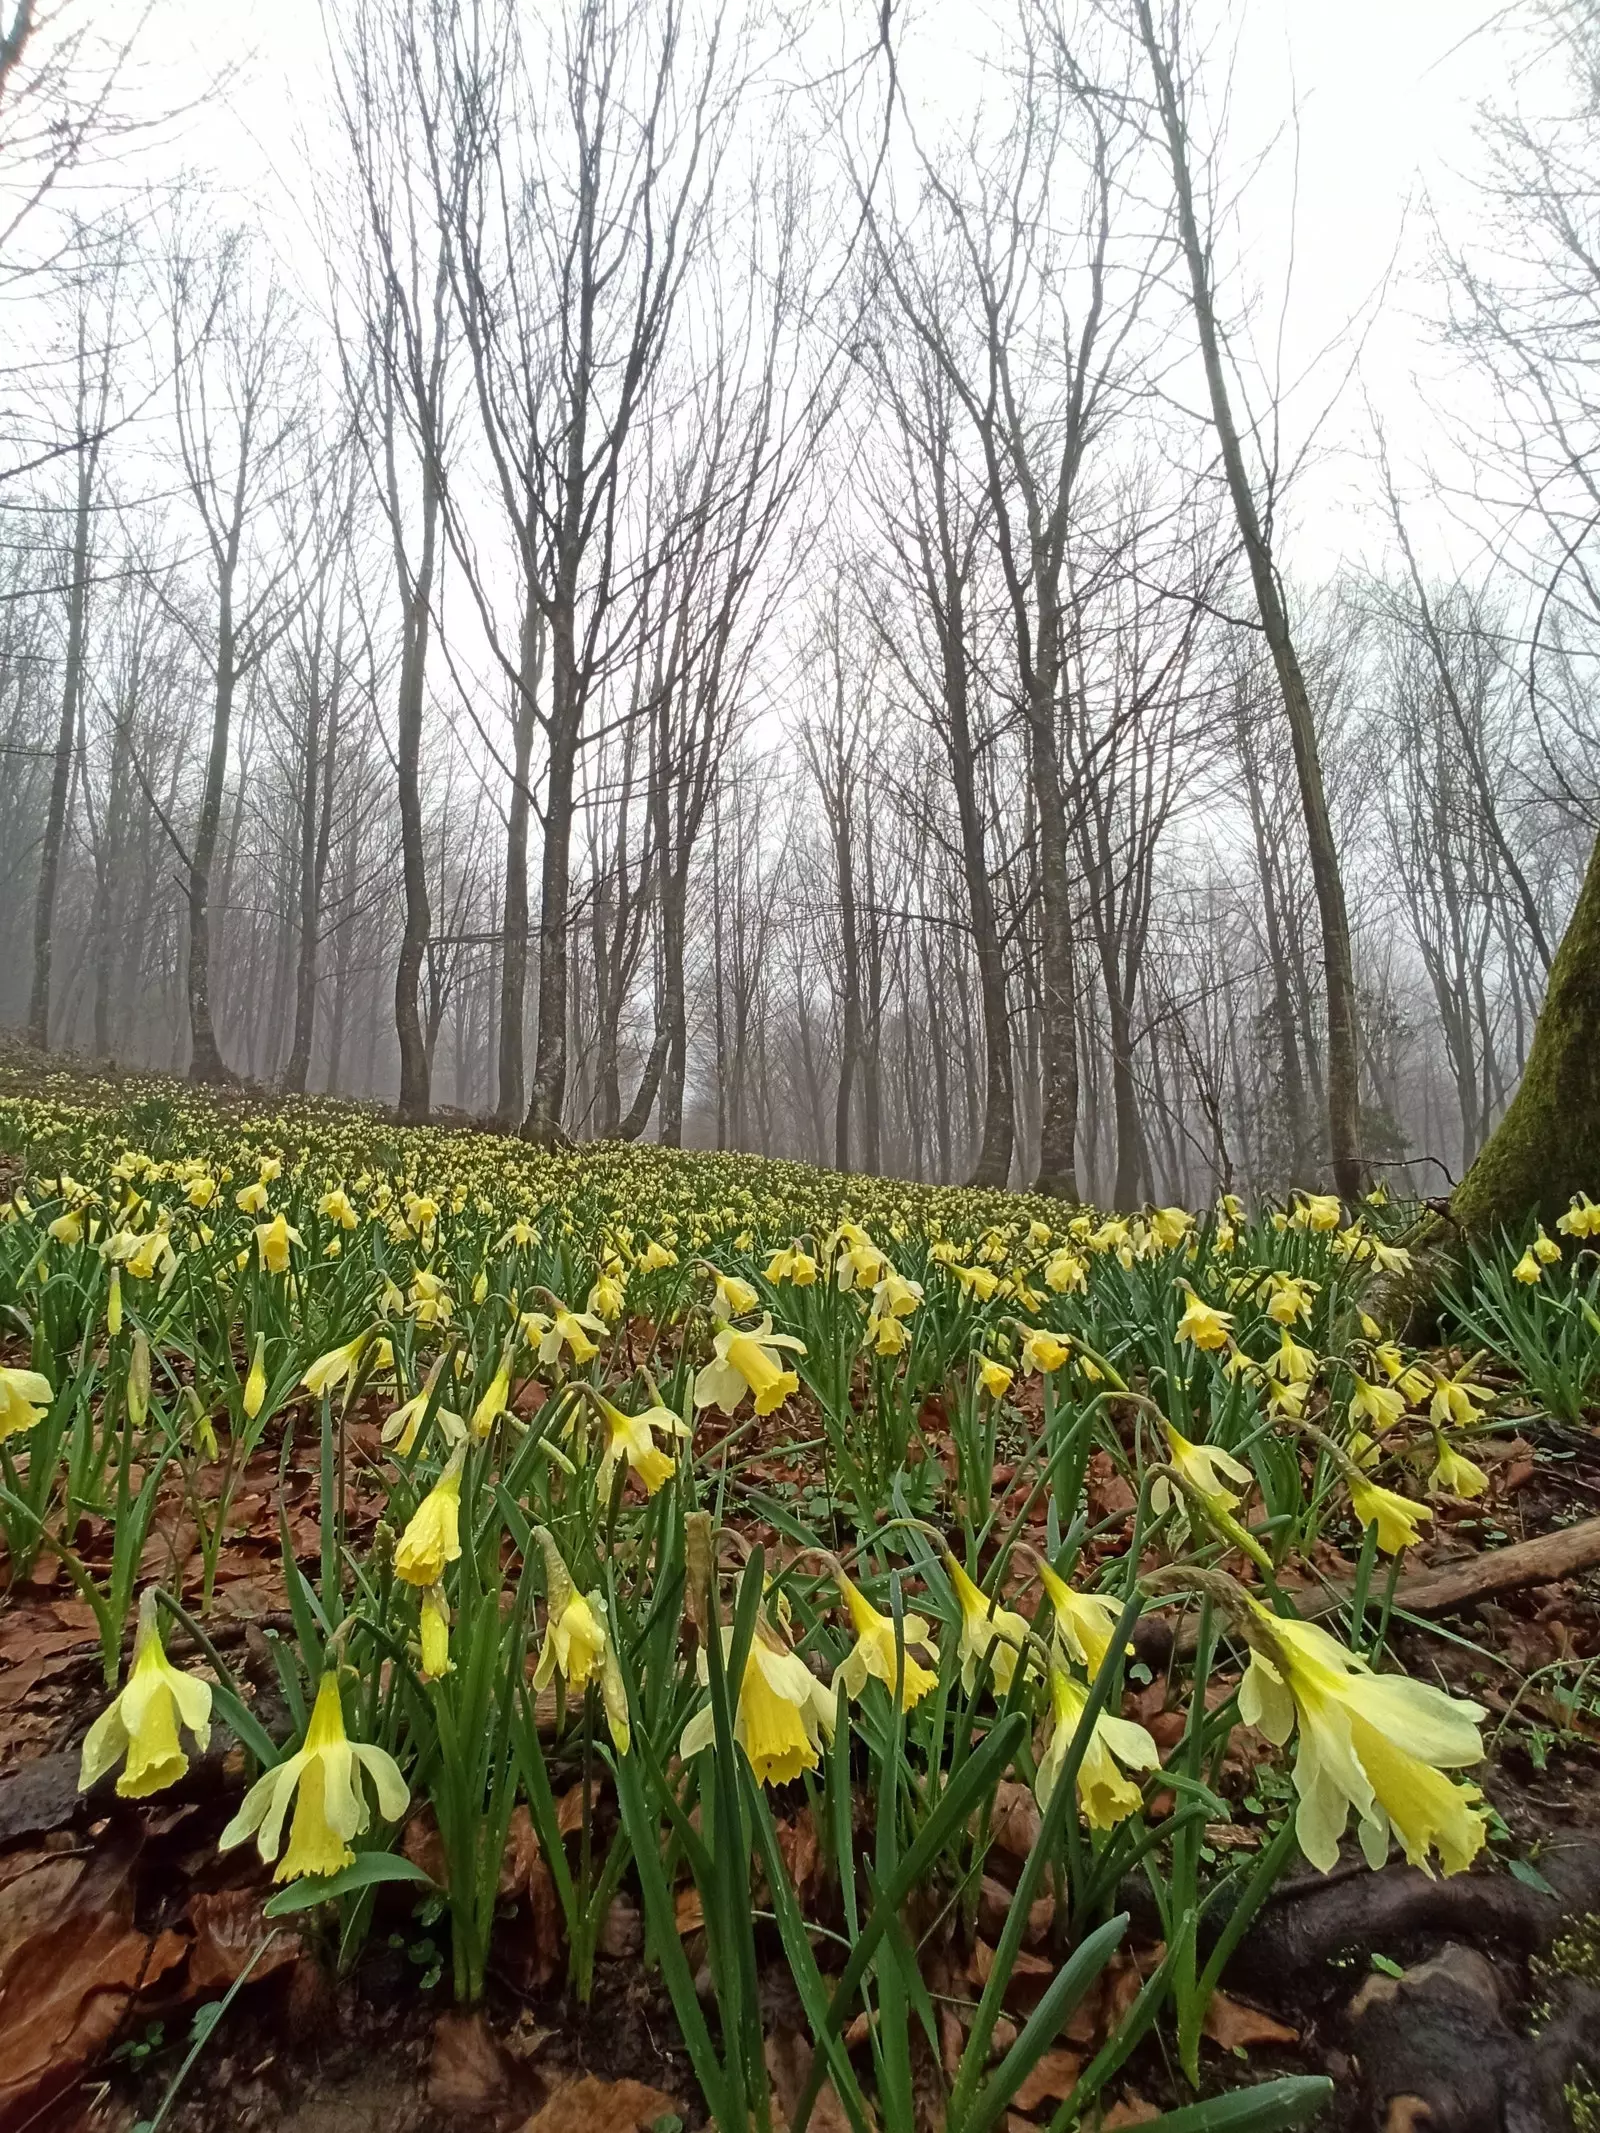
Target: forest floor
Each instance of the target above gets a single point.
(122, 1927)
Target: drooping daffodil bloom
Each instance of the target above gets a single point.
(324, 1780)
(895, 1296)
(1582, 1218)
(792, 1264)
(139, 1728)
(1043, 1351)
(340, 1365)
(577, 1331)
(273, 1240)
(25, 1397)
(1399, 1521)
(1064, 1271)
(732, 1297)
(1203, 1323)
(1379, 1743)
(1084, 1620)
(1454, 1474)
(491, 1403)
(1204, 1467)
(1380, 1405)
(874, 1654)
(578, 1643)
(748, 1362)
(994, 1377)
(632, 1438)
(434, 1635)
(988, 1632)
(1115, 1745)
(783, 1712)
(433, 1536)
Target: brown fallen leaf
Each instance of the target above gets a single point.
(228, 1929)
(788, 2057)
(590, 2105)
(466, 2074)
(1052, 2080)
(1014, 1819)
(1232, 2023)
(1131, 2110)
(75, 1961)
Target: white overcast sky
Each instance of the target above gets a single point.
(1386, 92)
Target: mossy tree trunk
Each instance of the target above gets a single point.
(1547, 1147)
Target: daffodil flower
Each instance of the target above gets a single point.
(324, 1780)
(565, 1329)
(979, 1281)
(25, 1397)
(988, 1632)
(434, 1635)
(874, 1654)
(1380, 1405)
(1084, 1620)
(633, 1438)
(748, 1362)
(895, 1296)
(1582, 1218)
(1203, 1466)
(1042, 1351)
(1203, 1323)
(141, 1724)
(1291, 1364)
(792, 1264)
(574, 1637)
(492, 1402)
(273, 1240)
(733, 1297)
(1105, 1794)
(1527, 1270)
(1379, 1743)
(886, 1336)
(782, 1716)
(255, 1384)
(606, 1299)
(1064, 1271)
(433, 1537)
(338, 1367)
(1455, 1401)
(994, 1377)
(1454, 1474)
(1398, 1520)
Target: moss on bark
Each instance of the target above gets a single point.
(1547, 1147)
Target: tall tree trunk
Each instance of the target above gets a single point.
(1344, 1126)
(316, 809)
(1547, 1146)
(514, 914)
(1058, 1023)
(44, 910)
(543, 1122)
(416, 1057)
(205, 1058)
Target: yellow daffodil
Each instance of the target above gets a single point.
(1527, 1270)
(1455, 1401)
(255, 1384)
(1042, 1351)
(273, 1240)
(433, 1537)
(252, 1199)
(576, 1331)
(748, 1362)
(1319, 1210)
(873, 1652)
(1105, 1795)
(632, 1439)
(732, 1297)
(141, 1724)
(1170, 1225)
(1289, 1300)
(25, 1397)
(67, 1228)
(978, 1281)
(1376, 1742)
(895, 1296)
(335, 1206)
(338, 1367)
(433, 1629)
(605, 1300)
(1203, 1466)
(1203, 1323)
(491, 1404)
(1065, 1271)
(431, 1302)
(1290, 1363)
(656, 1256)
(886, 1336)
(783, 1712)
(1454, 1474)
(1380, 1405)
(994, 1377)
(331, 1807)
(1399, 1521)
(988, 1632)
(1582, 1218)
(792, 1264)
(1084, 1620)
(574, 1637)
